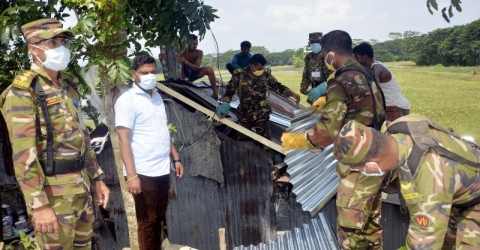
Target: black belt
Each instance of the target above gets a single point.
(64, 167)
(315, 84)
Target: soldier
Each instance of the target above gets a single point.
(438, 175)
(315, 73)
(253, 111)
(352, 95)
(53, 160)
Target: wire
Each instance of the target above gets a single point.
(218, 103)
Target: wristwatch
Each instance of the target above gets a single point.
(101, 177)
(175, 161)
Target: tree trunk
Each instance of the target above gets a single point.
(110, 93)
(171, 67)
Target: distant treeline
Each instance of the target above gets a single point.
(455, 46)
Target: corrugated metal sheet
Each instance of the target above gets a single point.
(311, 174)
(317, 235)
(313, 177)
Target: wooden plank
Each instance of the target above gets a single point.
(225, 121)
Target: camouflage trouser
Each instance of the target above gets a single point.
(75, 216)
(359, 206)
(262, 127)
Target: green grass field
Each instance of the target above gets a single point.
(448, 95)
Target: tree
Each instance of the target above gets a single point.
(453, 3)
(108, 30)
(409, 33)
(395, 35)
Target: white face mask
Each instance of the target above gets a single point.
(56, 59)
(147, 82)
(380, 172)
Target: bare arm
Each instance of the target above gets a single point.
(382, 74)
(197, 63)
(126, 150)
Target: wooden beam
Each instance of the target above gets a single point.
(225, 121)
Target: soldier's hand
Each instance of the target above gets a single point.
(103, 193)
(45, 220)
(134, 186)
(303, 90)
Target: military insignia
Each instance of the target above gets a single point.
(421, 220)
(406, 186)
(411, 196)
(21, 84)
(53, 100)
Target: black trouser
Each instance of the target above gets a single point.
(230, 68)
(151, 206)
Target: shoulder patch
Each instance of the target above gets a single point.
(24, 79)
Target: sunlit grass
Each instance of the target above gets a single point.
(448, 95)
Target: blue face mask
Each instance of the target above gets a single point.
(315, 47)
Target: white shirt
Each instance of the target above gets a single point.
(145, 116)
(392, 91)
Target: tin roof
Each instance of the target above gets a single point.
(317, 234)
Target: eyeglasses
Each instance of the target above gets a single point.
(55, 42)
(370, 173)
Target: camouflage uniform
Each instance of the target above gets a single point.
(253, 111)
(349, 98)
(315, 72)
(68, 194)
(442, 196)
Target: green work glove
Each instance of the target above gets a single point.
(223, 110)
(318, 91)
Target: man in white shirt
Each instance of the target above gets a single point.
(147, 150)
(397, 104)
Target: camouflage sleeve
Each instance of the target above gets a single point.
(277, 86)
(331, 117)
(429, 218)
(20, 116)
(231, 88)
(305, 76)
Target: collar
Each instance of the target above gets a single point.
(34, 67)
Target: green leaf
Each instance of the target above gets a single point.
(5, 35)
(450, 12)
(456, 4)
(444, 15)
(429, 8)
(434, 4)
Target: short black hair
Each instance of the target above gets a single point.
(258, 59)
(194, 37)
(364, 49)
(337, 41)
(245, 44)
(379, 140)
(141, 60)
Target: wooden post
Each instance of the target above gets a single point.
(221, 237)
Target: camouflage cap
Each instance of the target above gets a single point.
(351, 145)
(44, 29)
(315, 36)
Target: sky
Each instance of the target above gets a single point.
(284, 24)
